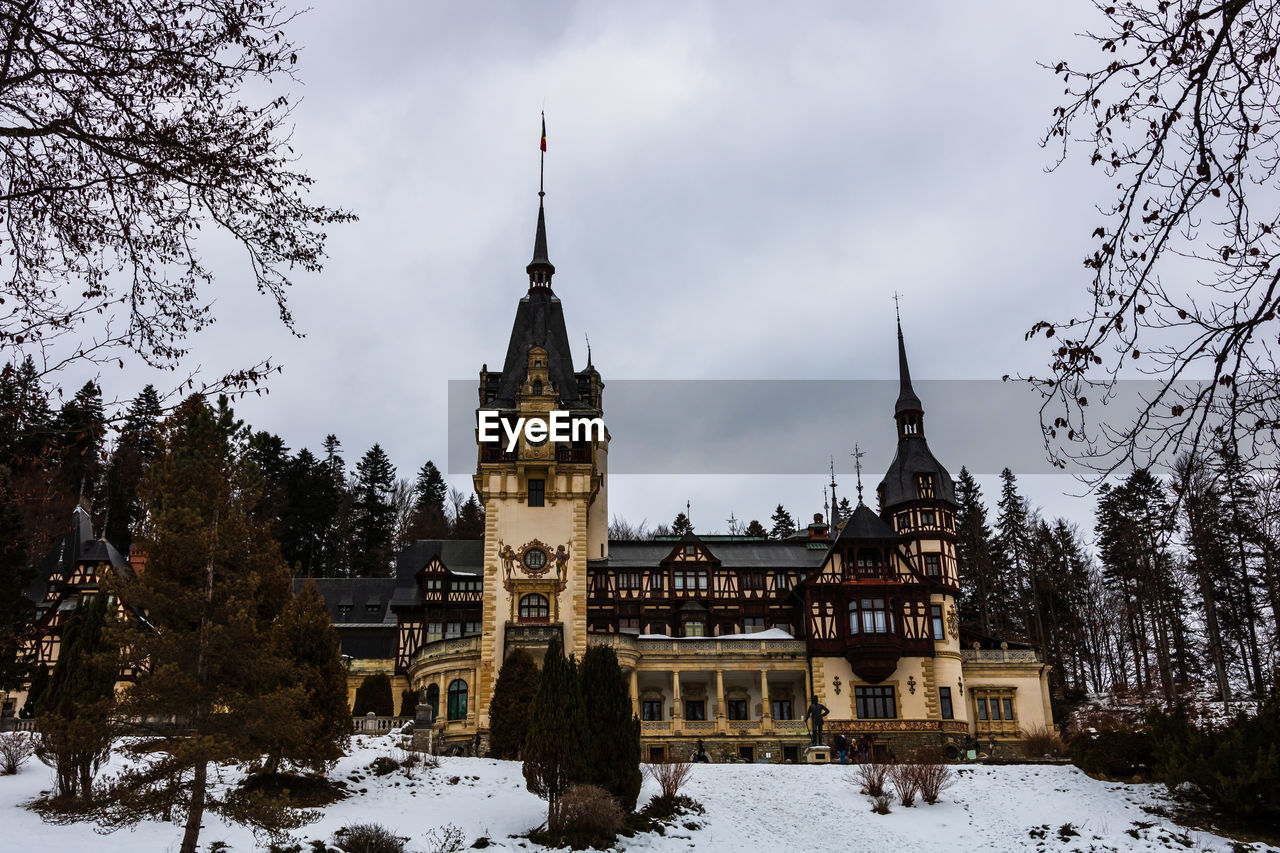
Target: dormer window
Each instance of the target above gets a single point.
(924, 485)
(691, 550)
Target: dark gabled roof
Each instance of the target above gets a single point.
(356, 593)
(77, 545)
(865, 524)
(464, 556)
(745, 554)
(913, 458)
(539, 322)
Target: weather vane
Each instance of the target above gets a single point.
(857, 466)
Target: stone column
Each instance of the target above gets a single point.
(766, 710)
(721, 724)
(677, 710)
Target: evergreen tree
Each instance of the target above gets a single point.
(135, 450)
(373, 514)
(1013, 538)
(470, 521)
(555, 748)
(512, 704)
(80, 427)
(614, 760)
(73, 713)
(783, 524)
(681, 525)
(374, 695)
(429, 520)
(213, 585)
(317, 727)
(16, 610)
(846, 508)
(756, 530)
(979, 590)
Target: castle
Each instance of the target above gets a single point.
(724, 638)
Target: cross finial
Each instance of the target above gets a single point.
(588, 337)
(897, 306)
(688, 511)
(857, 465)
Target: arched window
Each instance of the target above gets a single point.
(457, 699)
(534, 607)
(433, 700)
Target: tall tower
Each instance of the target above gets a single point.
(918, 498)
(546, 503)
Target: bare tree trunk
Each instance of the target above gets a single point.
(195, 810)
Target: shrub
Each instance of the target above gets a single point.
(933, 777)
(880, 804)
(1040, 741)
(15, 749)
(872, 775)
(670, 776)
(1235, 768)
(368, 838)
(383, 766)
(445, 839)
(589, 812)
(1116, 754)
(903, 779)
(512, 704)
(374, 694)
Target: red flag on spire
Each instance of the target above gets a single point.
(543, 144)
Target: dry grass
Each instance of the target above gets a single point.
(1039, 742)
(590, 811)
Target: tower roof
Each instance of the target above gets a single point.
(540, 269)
(907, 399)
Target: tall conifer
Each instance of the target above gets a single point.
(614, 759)
(511, 709)
(554, 748)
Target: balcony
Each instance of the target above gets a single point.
(1000, 655)
(533, 637)
(572, 454)
(447, 648)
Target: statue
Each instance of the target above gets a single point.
(814, 717)
(423, 718)
(508, 556)
(562, 560)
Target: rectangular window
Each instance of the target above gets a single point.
(689, 580)
(876, 703)
(431, 583)
(373, 608)
(982, 709)
(870, 616)
(782, 581)
(927, 518)
(434, 631)
(629, 625)
(738, 709)
(657, 627)
(651, 709)
(471, 627)
(782, 709)
(753, 580)
(655, 581)
(695, 629)
(691, 550)
(904, 520)
(657, 754)
(944, 703)
(751, 624)
(537, 492)
(933, 565)
(695, 709)
(1008, 708)
(629, 580)
(936, 611)
(452, 629)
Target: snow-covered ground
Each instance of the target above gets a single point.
(796, 808)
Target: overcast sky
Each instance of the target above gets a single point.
(734, 191)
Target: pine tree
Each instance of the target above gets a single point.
(73, 714)
(846, 508)
(428, 520)
(614, 760)
(783, 524)
(374, 695)
(1014, 541)
(317, 726)
(681, 525)
(978, 588)
(80, 426)
(373, 515)
(213, 585)
(554, 749)
(512, 704)
(134, 451)
(470, 521)
(756, 530)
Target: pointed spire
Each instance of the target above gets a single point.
(907, 399)
(857, 465)
(835, 504)
(540, 269)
